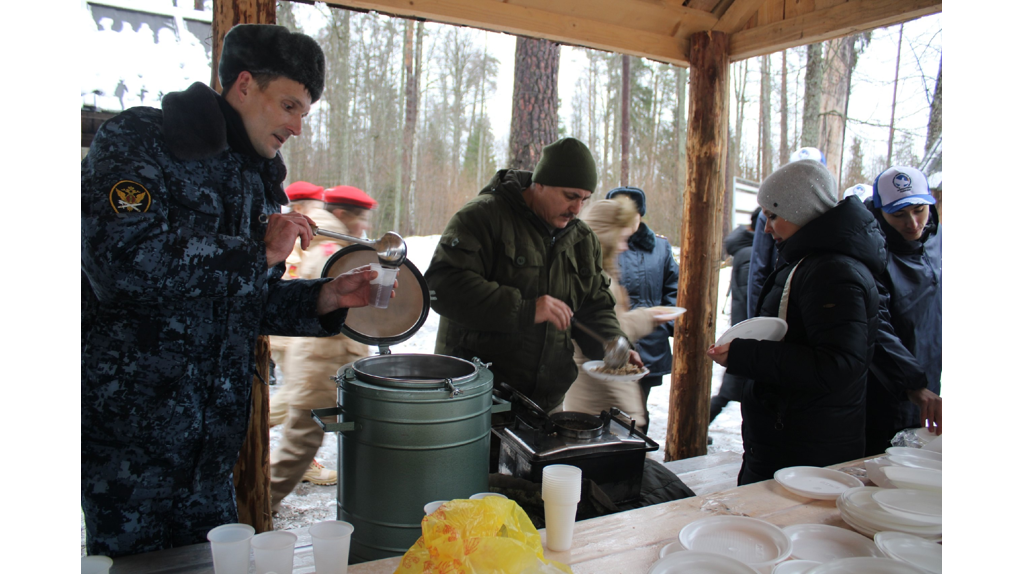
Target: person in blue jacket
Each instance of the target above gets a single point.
(651, 276)
(899, 397)
(763, 255)
(183, 249)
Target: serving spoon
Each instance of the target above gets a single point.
(390, 248)
(616, 351)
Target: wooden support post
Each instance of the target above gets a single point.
(252, 471)
(700, 259)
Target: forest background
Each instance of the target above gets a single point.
(869, 101)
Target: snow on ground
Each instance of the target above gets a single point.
(308, 503)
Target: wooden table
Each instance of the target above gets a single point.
(623, 542)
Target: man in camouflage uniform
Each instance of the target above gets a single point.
(183, 248)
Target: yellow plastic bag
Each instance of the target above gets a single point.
(492, 535)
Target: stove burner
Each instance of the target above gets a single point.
(577, 425)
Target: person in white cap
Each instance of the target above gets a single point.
(861, 190)
(902, 396)
(806, 406)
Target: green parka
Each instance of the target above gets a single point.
(494, 260)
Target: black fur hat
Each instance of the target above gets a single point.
(270, 49)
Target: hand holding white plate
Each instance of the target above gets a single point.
(757, 328)
(667, 313)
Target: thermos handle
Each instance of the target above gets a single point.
(332, 427)
(499, 405)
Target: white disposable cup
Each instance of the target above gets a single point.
(480, 495)
(430, 507)
(96, 564)
(381, 287)
(229, 544)
(331, 539)
(561, 484)
(559, 520)
(274, 552)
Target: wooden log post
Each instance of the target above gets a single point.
(700, 257)
(252, 471)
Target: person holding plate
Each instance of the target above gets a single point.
(806, 406)
(612, 221)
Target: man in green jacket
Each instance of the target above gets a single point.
(512, 269)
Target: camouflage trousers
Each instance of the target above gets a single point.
(140, 498)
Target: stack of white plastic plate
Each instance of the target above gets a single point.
(911, 549)
(915, 457)
(823, 543)
(911, 504)
(699, 563)
(815, 482)
(858, 509)
(914, 478)
(864, 565)
(754, 542)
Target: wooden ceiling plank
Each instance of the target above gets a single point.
(737, 16)
(799, 7)
(837, 21)
(655, 16)
(518, 20)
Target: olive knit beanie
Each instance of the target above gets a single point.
(566, 163)
(799, 191)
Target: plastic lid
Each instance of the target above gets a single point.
(404, 315)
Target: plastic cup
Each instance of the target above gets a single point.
(229, 544)
(381, 287)
(480, 495)
(560, 488)
(274, 552)
(430, 507)
(96, 564)
(559, 520)
(331, 539)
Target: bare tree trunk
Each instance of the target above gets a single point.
(895, 89)
(835, 94)
(682, 76)
(689, 394)
(935, 117)
(251, 473)
(411, 108)
(811, 125)
(784, 116)
(766, 118)
(624, 175)
(534, 101)
(415, 141)
(740, 88)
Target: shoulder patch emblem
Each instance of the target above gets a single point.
(129, 197)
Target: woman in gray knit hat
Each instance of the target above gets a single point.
(806, 404)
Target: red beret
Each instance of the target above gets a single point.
(304, 190)
(348, 195)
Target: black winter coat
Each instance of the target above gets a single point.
(913, 280)
(807, 403)
(651, 276)
(739, 244)
(763, 256)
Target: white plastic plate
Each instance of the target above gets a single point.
(757, 328)
(915, 462)
(754, 542)
(917, 478)
(918, 452)
(670, 548)
(667, 313)
(864, 565)
(794, 566)
(815, 482)
(874, 468)
(699, 563)
(823, 543)
(911, 503)
(858, 508)
(591, 368)
(911, 549)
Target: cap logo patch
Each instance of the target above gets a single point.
(902, 183)
(129, 197)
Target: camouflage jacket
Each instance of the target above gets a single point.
(493, 261)
(175, 284)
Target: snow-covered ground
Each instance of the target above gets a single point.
(309, 503)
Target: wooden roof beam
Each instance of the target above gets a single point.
(835, 22)
(524, 21)
(737, 15)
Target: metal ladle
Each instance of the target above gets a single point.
(616, 351)
(390, 248)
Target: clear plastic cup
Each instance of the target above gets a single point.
(229, 544)
(430, 507)
(480, 495)
(274, 552)
(331, 539)
(96, 564)
(381, 287)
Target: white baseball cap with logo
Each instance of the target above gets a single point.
(862, 191)
(900, 186)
